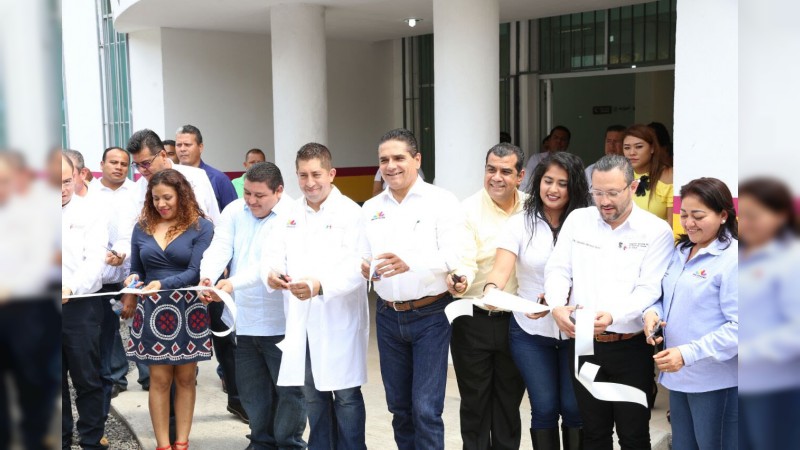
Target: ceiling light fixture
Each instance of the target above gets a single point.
(413, 21)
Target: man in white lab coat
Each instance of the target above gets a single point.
(316, 263)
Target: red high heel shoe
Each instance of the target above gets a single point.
(180, 446)
(169, 447)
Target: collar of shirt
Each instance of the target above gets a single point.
(633, 221)
(97, 185)
(715, 248)
(333, 196)
(418, 188)
(489, 203)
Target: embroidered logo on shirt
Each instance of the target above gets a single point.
(378, 215)
(632, 245)
(701, 273)
(291, 224)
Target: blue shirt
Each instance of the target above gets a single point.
(770, 349)
(700, 304)
(223, 188)
(236, 240)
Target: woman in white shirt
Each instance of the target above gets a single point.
(541, 353)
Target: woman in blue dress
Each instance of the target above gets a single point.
(170, 327)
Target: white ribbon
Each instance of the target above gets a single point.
(584, 346)
(498, 299)
(224, 296)
(293, 345)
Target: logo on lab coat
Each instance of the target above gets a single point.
(378, 215)
(291, 224)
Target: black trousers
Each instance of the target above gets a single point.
(489, 382)
(224, 350)
(80, 358)
(30, 356)
(628, 362)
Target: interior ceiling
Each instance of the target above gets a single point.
(364, 20)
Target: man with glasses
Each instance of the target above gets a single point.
(611, 257)
(149, 157)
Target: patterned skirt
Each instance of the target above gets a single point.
(170, 328)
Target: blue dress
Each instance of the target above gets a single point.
(172, 327)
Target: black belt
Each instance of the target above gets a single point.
(490, 313)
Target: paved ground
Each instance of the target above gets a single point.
(216, 429)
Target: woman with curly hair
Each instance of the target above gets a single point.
(170, 327)
(652, 168)
(558, 187)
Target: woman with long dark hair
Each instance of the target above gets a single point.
(652, 168)
(170, 327)
(700, 315)
(558, 187)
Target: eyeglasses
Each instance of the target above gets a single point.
(596, 193)
(144, 164)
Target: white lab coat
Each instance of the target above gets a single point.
(323, 245)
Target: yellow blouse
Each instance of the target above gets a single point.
(661, 202)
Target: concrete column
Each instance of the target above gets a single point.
(299, 83)
(466, 51)
(29, 77)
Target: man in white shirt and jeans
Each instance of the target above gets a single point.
(416, 233)
(277, 415)
(612, 257)
(317, 252)
(149, 157)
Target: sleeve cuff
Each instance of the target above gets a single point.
(688, 355)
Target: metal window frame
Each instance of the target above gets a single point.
(114, 78)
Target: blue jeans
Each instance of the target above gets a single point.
(705, 420)
(413, 348)
(544, 363)
(277, 413)
(769, 420)
(337, 418)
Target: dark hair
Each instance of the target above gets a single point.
(562, 128)
(66, 158)
(145, 138)
(76, 157)
(662, 134)
(191, 129)
(776, 196)
(659, 160)
(188, 209)
(105, 152)
(256, 151)
(168, 142)
(714, 194)
(505, 137)
(577, 188)
(504, 149)
(265, 172)
(610, 162)
(615, 128)
(402, 135)
(312, 150)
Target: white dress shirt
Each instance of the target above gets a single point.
(84, 232)
(238, 238)
(30, 239)
(203, 191)
(121, 206)
(325, 245)
(532, 251)
(427, 231)
(618, 271)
